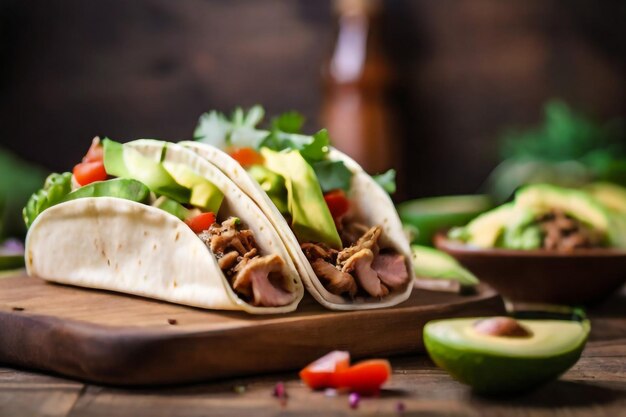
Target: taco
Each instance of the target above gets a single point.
(153, 219)
(338, 222)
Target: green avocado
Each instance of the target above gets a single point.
(204, 194)
(310, 217)
(172, 207)
(429, 215)
(542, 198)
(433, 263)
(502, 364)
(125, 162)
(513, 225)
(486, 230)
(612, 196)
(273, 184)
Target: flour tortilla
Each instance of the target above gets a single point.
(120, 245)
(372, 206)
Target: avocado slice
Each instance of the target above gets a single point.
(429, 215)
(610, 195)
(543, 198)
(273, 184)
(172, 207)
(485, 231)
(310, 217)
(125, 162)
(204, 194)
(433, 263)
(498, 364)
(119, 187)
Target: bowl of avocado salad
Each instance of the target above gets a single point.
(549, 244)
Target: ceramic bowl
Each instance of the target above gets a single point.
(584, 276)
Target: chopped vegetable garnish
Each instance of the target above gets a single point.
(338, 203)
(333, 371)
(246, 156)
(201, 222)
(320, 373)
(364, 377)
(95, 152)
(90, 171)
(354, 400)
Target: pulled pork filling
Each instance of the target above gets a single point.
(256, 279)
(564, 233)
(361, 267)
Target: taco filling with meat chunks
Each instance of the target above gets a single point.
(341, 227)
(154, 219)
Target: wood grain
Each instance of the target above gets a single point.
(118, 339)
(595, 387)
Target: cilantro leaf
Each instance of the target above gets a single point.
(387, 180)
(317, 148)
(332, 175)
(216, 129)
(290, 122)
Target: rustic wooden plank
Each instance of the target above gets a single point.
(29, 394)
(118, 339)
(417, 383)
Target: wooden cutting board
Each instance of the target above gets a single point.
(118, 339)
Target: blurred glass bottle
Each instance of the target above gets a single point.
(357, 81)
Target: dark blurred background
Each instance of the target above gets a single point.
(455, 73)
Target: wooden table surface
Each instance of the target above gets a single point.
(595, 386)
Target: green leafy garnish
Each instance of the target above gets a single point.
(290, 122)
(55, 188)
(387, 180)
(568, 149)
(332, 175)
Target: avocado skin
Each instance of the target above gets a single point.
(489, 373)
(119, 187)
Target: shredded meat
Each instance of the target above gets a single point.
(351, 231)
(359, 268)
(256, 279)
(335, 281)
(563, 233)
(391, 269)
(228, 260)
(368, 240)
(361, 264)
(315, 251)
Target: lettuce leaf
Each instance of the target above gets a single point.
(56, 187)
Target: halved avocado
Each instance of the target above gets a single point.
(505, 363)
(430, 215)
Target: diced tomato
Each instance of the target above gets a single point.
(88, 172)
(337, 202)
(364, 377)
(95, 152)
(201, 222)
(246, 156)
(320, 373)
(334, 371)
